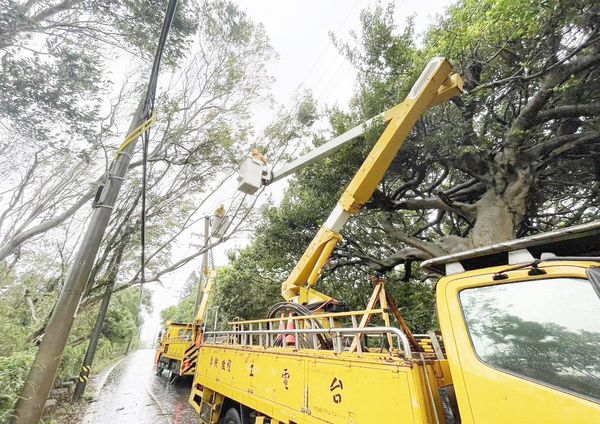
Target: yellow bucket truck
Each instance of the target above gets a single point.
(519, 321)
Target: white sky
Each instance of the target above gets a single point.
(299, 33)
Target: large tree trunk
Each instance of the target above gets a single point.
(495, 222)
(501, 209)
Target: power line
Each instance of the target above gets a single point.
(327, 46)
(337, 78)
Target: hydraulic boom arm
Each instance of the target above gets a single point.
(201, 314)
(435, 85)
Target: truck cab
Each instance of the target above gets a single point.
(521, 328)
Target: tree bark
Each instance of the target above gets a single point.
(502, 208)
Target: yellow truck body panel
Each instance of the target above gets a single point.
(312, 386)
(295, 385)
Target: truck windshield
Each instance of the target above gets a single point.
(546, 330)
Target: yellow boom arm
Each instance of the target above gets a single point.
(203, 307)
(435, 85)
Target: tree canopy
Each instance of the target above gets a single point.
(516, 154)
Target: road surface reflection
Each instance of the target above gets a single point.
(133, 394)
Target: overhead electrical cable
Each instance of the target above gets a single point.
(148, 113)
(322, 75)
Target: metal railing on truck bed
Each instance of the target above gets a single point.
(338, 331)
(338, 335)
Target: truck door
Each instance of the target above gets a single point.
(524, 349)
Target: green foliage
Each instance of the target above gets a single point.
(32, 89)
(385, 58)
(244, 290)
(13, 371)
(140, 22)
(62, 118)
(483, 24)
(53, 85)
(24, 306)
(307, 111)
(183, 312)
(123, 317)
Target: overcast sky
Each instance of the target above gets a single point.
(299, 32)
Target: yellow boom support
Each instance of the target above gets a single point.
(435, 85)
(202, 309)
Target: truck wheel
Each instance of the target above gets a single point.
(159, 371)
(232, 416)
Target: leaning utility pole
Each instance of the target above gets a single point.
(30, 405)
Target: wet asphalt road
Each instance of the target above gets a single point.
(133, 394)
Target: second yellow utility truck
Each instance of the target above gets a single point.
(178, 343)
(172, 352)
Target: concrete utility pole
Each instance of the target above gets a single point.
(96, 333)
(43, 371)
(30, 405)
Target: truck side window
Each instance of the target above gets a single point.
(546, 330)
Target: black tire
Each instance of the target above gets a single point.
(159, 371)
(232, 416)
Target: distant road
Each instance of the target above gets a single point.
(133, 394)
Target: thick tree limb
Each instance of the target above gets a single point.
(540, 151)
(525, 78)
(568, 111)
(427, 248)
(465, 210)
(53, 10)
(382, 265)
(8, 247)
(156, 277)
(528, 116)
(471, 192)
